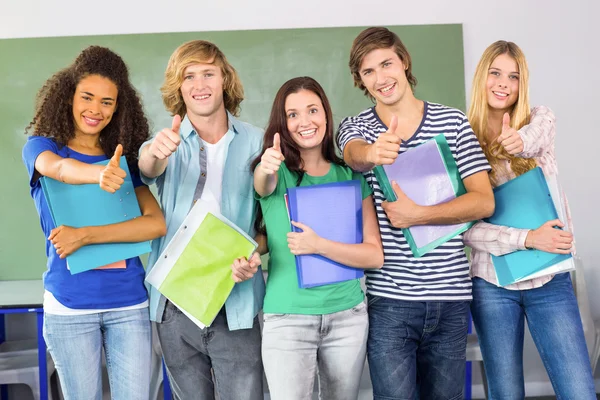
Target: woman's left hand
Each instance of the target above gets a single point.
(66, 240)
(305, 242)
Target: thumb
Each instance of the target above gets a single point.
(116, 158)
(277, 142)
(397, 190)
(176, 124)
(393, 125)
(505, 121)
(299, 225)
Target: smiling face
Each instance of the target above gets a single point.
(94, 103)
(306, 119)
(502, 84)
(202, 89)
(384, 75)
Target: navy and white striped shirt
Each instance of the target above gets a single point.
(443, 273)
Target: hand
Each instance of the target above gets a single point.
(112, 176)
(402, 213)
(384, 150)
(66, 240)
(166, 141)
(305, 242)
(272, 157)
(550, 239)
(510, 139)
(243, 269)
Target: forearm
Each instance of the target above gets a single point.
(362, 255)
(495, 239)
(264, 183)
(151, 166)
(356, 156)
(75, 172)
(146, 227)
(469, 207)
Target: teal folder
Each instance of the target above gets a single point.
(526, 203)
(87, 205)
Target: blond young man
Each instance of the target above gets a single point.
(206, 155)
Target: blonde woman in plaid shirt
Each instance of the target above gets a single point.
(516, 139)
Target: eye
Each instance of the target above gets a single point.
(366, 72)
(514, 77)
(86, 98)
(188, 77)
(313, 110)
(208, 75)
(495, 73)
(107, 103)
(387, 63)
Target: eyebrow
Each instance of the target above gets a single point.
(92, 95)
(381, 63)
(200, 71)
(498, 69)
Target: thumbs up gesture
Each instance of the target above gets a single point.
(510, 139)
(385, 149)
(112, 176)
(272, 157)
(166, 141)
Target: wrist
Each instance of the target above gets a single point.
(85, 235)
(529, 240)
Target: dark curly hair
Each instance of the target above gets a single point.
(53, 116)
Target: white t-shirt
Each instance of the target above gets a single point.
(216, 154)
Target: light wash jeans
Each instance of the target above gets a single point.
(194, 356)
(555, 325)
(76, 342)
(296, 346)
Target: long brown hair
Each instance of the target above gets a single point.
(519, 113)
(278, 124)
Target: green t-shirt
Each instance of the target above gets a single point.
(283, 296)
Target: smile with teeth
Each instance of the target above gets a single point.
(500, 94)
(308, 132)
(387, 88)
(91, 121)
(201, 97)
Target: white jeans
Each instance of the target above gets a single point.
(295, 347)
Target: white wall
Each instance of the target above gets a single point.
(559, 38)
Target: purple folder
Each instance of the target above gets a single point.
(334, 212)
(428, 175)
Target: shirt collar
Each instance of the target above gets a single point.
(187, 129)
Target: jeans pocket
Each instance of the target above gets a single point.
(170, 312)
(359, 309)
(274, 317)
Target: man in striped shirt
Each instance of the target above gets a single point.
(418, 307)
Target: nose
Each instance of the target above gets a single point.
(94, 108)
(304, 120)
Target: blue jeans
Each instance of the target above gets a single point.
(417, 349)
(76, 342)
(555, 325)
(296, 347)
(193, 356)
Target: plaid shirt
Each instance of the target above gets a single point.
(486, 239)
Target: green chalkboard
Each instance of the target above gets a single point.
(264, 59)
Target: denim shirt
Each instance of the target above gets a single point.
(176, 187)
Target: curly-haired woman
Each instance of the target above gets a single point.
(86, 113)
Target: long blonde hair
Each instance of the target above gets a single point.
(519, 113)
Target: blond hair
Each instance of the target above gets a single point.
(199, 52)
(519, 112)
(373, 39)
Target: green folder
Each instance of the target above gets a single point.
(428, 175)
(194, 270)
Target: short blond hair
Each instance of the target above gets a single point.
(199, 52)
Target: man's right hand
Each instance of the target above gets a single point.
(272, 157)
(384, 150)
(550, 239)
(166, 141)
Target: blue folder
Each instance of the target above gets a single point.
(88, 205)
(526, 203)
(334, 212)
